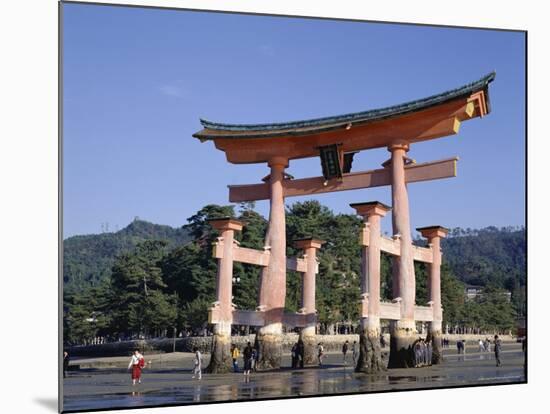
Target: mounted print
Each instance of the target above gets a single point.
(262, 207)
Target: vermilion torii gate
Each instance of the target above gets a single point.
(336, 140)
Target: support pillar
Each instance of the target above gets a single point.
(434, 235)
(370, 354)
(402, 332)
(307, 333)
(273, 279)
(220, 357)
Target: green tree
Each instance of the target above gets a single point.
(139, 303)
(86, 314)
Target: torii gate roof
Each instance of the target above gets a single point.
(423, 119)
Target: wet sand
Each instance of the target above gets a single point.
(167, 380)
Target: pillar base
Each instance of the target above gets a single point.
(435, 336)
(402, 337)
(370, 352)
(220, 356)
(270, 345)
(308, 337)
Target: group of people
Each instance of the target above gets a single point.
(354, 351)
(250, 357)
(484, 345)
(422, 353)
(297, 354)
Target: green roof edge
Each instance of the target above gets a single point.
(364, 116)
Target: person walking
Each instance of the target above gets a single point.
(137, 362)
(256, 354)
(417, 356)
(345, 351)
(294, 355)
(247, 356)
(354, 352)
(235, 356)
(498, 349)
(197, 370)
(423, 352)
(320, 353)
(481, 348)
(254, 359)
(66, 360)
(301, 352)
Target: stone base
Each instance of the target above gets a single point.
(270, 346)
(437, 353)
(310, 350)
(370, 353)
(220, 358)
(402, 337)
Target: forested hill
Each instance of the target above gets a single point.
(488, 256)
(478, 257)
(147, 279)
(88, 259)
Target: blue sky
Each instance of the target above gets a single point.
(136, 81)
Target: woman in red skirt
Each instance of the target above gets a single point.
(136, 364)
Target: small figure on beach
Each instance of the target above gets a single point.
(460, 346)
(197, 370)
(423, 352)
(66, 360)
(498, 349)
(417, 349)
(487, 345)
(235, 356)
(247, 356)
(345, 350)
(294, 355)
(320, 353)
(254, 358)
(301, 352)
(136, 365)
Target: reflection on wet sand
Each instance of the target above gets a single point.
(96, 388)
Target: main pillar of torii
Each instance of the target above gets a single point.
(403, 331)
(273, 279)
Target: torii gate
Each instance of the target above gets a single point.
(336, 139)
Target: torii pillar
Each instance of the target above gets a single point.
(307, 333)
(434, 234)
(370, 354)
(403, 331)
(220, 359)
(273, 279)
